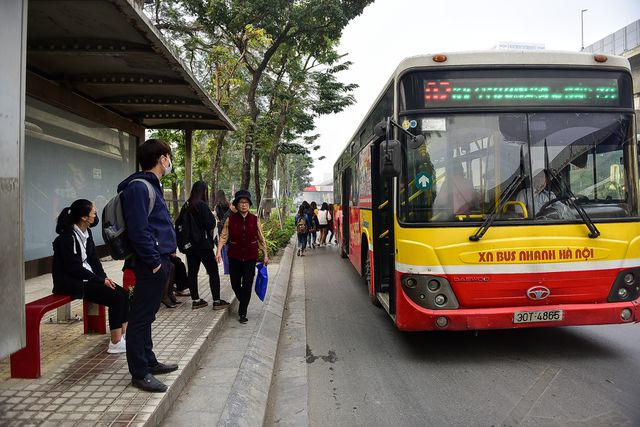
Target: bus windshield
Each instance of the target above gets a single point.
(468, 160)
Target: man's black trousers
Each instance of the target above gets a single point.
(144, 305)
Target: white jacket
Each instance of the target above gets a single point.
(323, 217)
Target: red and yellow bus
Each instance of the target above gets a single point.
(491, 190)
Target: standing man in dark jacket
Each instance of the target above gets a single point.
(153, 240)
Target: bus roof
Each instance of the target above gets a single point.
(513, 57)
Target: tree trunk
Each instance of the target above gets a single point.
(245, 178)
(285, 186)
(256, 75)
(273, 158)
(256, 179)
(215, 167)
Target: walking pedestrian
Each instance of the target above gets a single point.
(222, 211)
(243, 232)
(202, 252)
(312, 211)
(302, 229)
(153, 240)
(323, 222)
(331, 223)
(77, 270)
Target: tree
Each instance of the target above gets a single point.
(257, 29)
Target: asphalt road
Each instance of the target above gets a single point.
(363, 371)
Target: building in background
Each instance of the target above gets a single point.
(624, 42)
(317, 193)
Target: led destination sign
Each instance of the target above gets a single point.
(515, 92)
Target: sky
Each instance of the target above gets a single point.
(390, 30)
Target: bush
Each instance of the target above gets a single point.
(276, 237)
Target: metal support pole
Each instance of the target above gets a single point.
(188, 164)
(582, 29)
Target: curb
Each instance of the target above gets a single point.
(248, 399)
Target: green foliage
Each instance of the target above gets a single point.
(276, 237)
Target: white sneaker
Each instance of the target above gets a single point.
(120, 347)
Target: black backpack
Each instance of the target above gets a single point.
(188, 231)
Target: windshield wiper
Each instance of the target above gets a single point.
(563, 191)
(506, 195)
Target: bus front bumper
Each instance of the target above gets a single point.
(415, 318)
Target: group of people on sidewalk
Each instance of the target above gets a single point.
(232, 231)
(309, 220)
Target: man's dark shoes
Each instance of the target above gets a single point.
(163, 368)
(149, 383)
(243, 319)
(220, 304)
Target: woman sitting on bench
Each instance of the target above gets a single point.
(77, 270)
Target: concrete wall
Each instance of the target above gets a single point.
(13, 30)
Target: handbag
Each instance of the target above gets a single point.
(261, 281)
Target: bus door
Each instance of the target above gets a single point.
(346, 199)
(383, 247)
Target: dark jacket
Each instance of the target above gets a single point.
(206, 221)
(69, 274)
(151, 236)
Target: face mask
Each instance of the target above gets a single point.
(96, 220)
(167, 169)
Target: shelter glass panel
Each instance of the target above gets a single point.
(68, 157)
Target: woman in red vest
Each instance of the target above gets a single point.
(243, 232)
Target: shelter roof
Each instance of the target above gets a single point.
(110, 53)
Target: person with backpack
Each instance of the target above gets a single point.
(152, 238)
(243, 232)
(302, 228)
(201, 251)
(323, 222)
(77, 270)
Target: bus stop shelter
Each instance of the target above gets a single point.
(81, 81)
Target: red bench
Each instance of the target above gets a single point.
(25, 363)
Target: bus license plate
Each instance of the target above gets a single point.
(537, 316)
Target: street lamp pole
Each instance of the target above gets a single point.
(582, 28)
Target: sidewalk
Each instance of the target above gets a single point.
(82, 385)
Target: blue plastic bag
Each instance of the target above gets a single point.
(225, 259)
(261, 281)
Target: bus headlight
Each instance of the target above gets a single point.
(440, 300)
(433, 292)
(433, 285)
(411, 283)
(626, 287)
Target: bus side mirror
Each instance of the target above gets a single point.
(390, 158)
(415, 142)
(380, 129)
